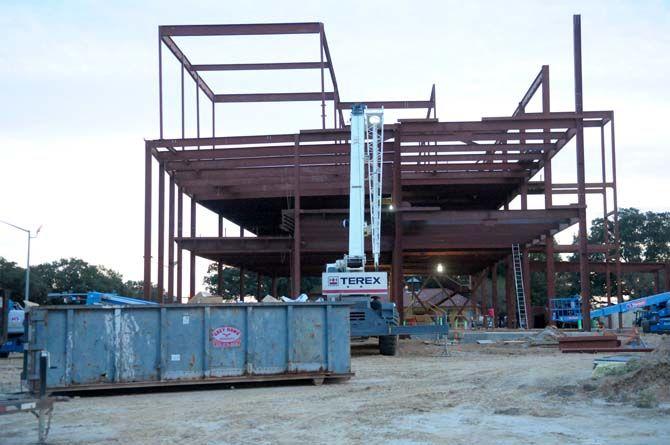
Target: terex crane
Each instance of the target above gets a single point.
(346, 279)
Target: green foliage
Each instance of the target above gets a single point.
(65, 275)
(231, 283)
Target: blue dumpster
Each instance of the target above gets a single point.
(93, 347)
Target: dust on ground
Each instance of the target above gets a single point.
(428, 394)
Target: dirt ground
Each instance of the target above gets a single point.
(472, 394)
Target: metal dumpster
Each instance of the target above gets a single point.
(93, 347)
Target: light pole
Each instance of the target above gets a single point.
(26, 295)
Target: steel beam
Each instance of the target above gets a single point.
(584, 278)
(272, 97)
(256, 29)
(161, 233)
(192, 255)
(296, 222)
(171, 208)
(147, 224)
(258, 66)
(180, 253)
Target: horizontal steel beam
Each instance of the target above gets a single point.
(599, 267)
(273, 97)
(259, 66)
(389, 104)
(240, 30)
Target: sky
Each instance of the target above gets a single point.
(79, 92)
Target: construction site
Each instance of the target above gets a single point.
(424, 236)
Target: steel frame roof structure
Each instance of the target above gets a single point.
(450, 183)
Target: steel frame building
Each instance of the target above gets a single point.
(450, 184)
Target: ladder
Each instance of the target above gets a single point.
(522, 315)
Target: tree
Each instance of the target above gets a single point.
(231, 283)
(65, 275)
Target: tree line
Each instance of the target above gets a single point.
(65, 275)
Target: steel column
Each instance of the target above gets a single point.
(525, 264)
(397, 258)
(161, 232)
(494, 293)
(219, 264)
(323, 88)
(242, 283)
(296, 221)
(191, 271)
(258, 287)
(180, 252)
(617, 235)
(584, 278)
(147, 224)
(274, 285)
(606, 238)
(509, 297)
(170, 292)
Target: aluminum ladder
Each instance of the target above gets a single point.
(522, 314)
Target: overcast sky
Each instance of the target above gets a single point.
(78, 86)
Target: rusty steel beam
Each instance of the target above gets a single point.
(171, 208)
(258, 66)
(172, 46)
(147, 224)
(584, 280)
(180, 253)
(251, 29)
(161, 233)
(272, 97)
(389, 104)
(191, 271)
(297, 239)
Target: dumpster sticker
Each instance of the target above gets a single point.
(226, 337)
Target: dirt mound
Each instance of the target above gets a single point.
(643, 382)
(548, 336)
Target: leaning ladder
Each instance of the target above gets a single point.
(522, 315)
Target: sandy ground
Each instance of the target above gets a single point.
(475, 394)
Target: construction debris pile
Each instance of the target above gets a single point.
(642, 381)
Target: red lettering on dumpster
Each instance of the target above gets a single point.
(226, 337)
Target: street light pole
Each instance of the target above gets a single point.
(26, 295)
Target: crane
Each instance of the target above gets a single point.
(346, 279)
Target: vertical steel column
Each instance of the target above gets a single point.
(667, 277)
(180, 254)
(296, 220)
(509, 297)
(213, 123)
(191, 271)
(657, 281)
(241, 283)
(397, 287)
(617, 236)
(584, 278)
(323, 88)
(525, 262)
(258, 286)
(147, 223)
(274, 285)
(170, 292)
(160, 85)
(550, 274)
(494, 293)
(606, 238)
(161, 232)
(197, 107)
(219, 264)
